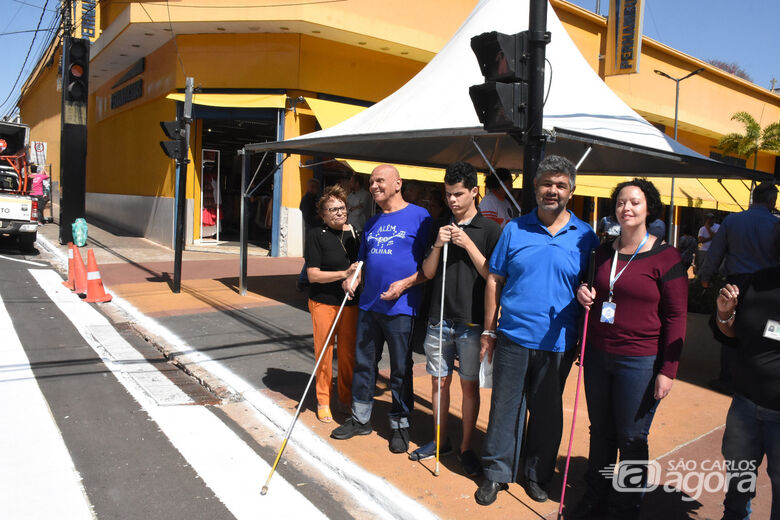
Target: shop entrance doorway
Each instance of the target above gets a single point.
(220, 175)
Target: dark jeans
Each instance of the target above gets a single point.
(621, 405)
(373, 330)
(751, 432)
(525, 378)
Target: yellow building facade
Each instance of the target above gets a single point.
(257, 64)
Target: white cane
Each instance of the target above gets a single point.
(441, 330)
(308, 385)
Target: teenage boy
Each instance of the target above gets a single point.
(392, 248)
(470, 238)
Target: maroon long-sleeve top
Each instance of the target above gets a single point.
(651, 299)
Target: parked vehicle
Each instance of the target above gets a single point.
(18, 209)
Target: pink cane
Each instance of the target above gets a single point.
(591, 270)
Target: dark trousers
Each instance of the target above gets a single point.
(523, 379)
(373, 330)
(751, 432)
(621, 406)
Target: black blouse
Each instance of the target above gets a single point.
(331, 250)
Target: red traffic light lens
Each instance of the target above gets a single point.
(76, 70)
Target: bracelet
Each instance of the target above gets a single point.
(731, 317)
(490, 333)
(437, 247)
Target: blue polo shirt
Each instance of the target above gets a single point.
(539, 309)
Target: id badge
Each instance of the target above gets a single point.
(608, 312)
(772, 330)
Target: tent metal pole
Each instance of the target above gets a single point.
(493, 171)
(244, 230)
(584, 156)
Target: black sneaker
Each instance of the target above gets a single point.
(351, 428)
(429, 450)
(471, 464)
(399, 443)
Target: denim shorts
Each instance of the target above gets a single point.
(458, 339)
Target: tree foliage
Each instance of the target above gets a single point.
(731, 68)
(754, 139)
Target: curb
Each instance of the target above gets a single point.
(383, 498)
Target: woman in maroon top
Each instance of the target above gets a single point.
(635, 335)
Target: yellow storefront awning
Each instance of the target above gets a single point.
(235, 100)
(726, 195)
(331, 113)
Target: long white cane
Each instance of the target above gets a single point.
(441, 330)
(308, 385)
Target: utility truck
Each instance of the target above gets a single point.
(18, 209)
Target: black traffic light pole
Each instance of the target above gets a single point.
(181, 187)
(534, 139)
(73, 134)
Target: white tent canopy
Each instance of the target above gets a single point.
(431, 121)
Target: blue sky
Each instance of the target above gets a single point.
(743, 32)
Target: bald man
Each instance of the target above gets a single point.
(392, 250)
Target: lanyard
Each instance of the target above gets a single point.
(612, 277)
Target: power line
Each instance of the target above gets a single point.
(33, 5)
(173, 35)
(23, 32)
(27, 56)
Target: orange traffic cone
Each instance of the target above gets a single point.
(70, 283)
(79, 272)
(95, 291)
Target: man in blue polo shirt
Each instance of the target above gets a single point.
(534, 272)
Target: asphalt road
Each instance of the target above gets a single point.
(97, 424)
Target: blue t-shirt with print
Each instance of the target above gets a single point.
(392, 248)
(539, 309)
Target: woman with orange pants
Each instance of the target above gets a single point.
(331, 250)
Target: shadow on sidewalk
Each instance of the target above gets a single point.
(279, 288)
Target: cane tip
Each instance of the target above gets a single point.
(264, 491)
(436, 472)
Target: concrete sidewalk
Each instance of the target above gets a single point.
(258, 349)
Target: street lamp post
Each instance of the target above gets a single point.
(670, 231)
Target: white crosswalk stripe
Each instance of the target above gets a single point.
(37, 477)
(225, 463)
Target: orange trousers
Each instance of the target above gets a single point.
(322, 316)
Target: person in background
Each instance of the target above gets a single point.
(413, 193)
(358, 202)
(436, 205)
(331, 253)
(705, 236)
(311, 219)
(639, 300)
(742, 243)
(392, 248)
(657, 228)
(534, 272)
(607, 228)
(686, 245)
(471, 238)
(495, 205)
(747, 320)
(39, 191)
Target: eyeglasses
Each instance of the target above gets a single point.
(337, 209)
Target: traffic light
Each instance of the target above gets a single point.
(502, 101)
(75, 70)
(176, 131)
